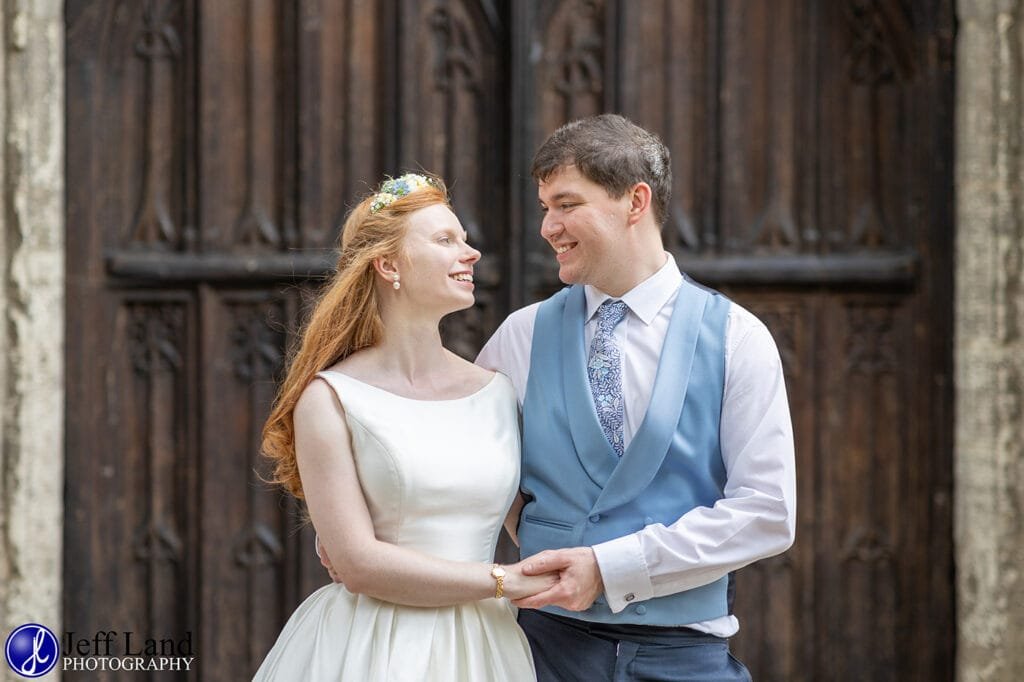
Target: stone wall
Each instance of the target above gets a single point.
(32, 305)
(989, 342)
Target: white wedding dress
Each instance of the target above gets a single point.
(438, 476)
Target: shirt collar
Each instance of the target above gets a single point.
(645, 299)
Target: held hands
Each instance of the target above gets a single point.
(519, 585)
(579, 578)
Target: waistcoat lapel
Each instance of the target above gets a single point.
(643, 458)
(592, 447)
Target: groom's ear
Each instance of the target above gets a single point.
(640, 196)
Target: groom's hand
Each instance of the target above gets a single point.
(325, 561)
(579, 579)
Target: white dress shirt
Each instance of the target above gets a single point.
(756, 518)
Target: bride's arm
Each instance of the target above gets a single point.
(340, 514)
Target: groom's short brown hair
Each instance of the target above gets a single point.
(613, 152)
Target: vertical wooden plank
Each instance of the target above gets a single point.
(872, 64)
(241, 123)
(339, 82)
(153, 499)
(668, 86)
(930, 480)
(453, 76)
(223, 127)
(562, 52)
(773, 597)
(761, 118)
(246, 529)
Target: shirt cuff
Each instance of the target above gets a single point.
(624, 572)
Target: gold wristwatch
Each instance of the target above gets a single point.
(498, 573)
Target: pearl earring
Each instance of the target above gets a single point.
(396, 284)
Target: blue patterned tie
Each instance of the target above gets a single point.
(604, 368)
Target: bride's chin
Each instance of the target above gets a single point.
(459, 309)
(464, 304)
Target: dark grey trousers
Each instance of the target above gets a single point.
(571, 650)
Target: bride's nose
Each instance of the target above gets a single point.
(471, 256)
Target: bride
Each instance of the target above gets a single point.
(407, 457)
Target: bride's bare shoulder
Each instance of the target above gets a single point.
(316, 400)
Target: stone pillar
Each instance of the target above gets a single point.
(32, 310)
(989, 341)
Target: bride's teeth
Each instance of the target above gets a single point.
(462, 277)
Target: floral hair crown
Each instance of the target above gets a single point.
(393, 189)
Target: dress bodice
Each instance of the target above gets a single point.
(438, 475)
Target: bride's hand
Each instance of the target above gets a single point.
(519, 586)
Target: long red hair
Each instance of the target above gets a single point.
(345, 319)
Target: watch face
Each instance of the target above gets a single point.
(498, 572)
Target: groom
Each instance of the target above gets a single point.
(657, 444)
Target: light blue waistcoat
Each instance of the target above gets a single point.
(583, 493)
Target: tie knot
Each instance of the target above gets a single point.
(611, 313)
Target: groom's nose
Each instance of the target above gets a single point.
(549, 226)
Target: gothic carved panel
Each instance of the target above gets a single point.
(457, 80)
(871, 348)
(452, 131)
(342, 122)
(863, 157)
(256, 547)
(787, 326)
(133, 116)
(770, 593)
(157, 542)
(251, 534)
(152, 441)
(566, 72)
(573, 62)
(157, 218)
(766, 72)
(246, 109)
(867, 439)
(667, 85)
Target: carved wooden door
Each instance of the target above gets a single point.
(213, 148)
